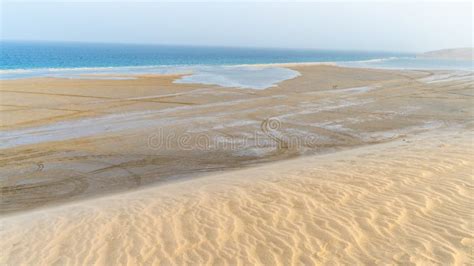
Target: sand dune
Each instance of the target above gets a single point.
(408, 201)
(386, 177)
(454, 54)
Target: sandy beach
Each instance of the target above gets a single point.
(335, 166)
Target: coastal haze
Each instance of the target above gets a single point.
(406, 26)
(359, 152)
(456, 54)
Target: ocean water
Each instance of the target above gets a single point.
(34, 55)
(224, 66)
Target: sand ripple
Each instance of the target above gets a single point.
(406, 202)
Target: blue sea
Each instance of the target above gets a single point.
(34, 55)
(212, 65)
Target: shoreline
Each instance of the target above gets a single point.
(189, 68)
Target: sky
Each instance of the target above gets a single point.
(403, 26)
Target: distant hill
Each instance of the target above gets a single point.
(455, 54)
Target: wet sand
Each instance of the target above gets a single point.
(374, 166)
(67, 139)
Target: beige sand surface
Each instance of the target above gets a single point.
(405, 202)
(338, 165)
(67, 139)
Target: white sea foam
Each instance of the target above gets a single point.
(83, 72)
(376, 60)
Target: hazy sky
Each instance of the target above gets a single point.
(362, 26)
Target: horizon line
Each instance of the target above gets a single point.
(217, 46)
